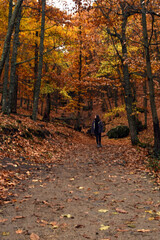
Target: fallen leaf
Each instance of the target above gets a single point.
(104, 227)
(122, 230)
(149, 211)
(114, 213)
(54, 225)
(131, 226)
(103, 210)
(143, 230)
(96, 193)
(5, 234)
(44, 222)
(34, 236)
(105, 239)
(79, 226)
(17, 217)
(2, 220)
(121, 210)
(19, 231)
(67, 215)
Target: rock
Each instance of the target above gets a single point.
(118, 132)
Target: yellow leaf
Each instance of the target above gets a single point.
(149, 211)
(71, 179)
(81, 187)
(151, 218)
(158, 213)
(96, 193)
(103, 210)
(114, 213)
(67, 215)
(104, 227)
(5, 234)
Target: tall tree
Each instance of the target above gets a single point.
(40, 64)
(9, 34)
(146, 42)
(6, 71)
(12, 99)
(123, 11)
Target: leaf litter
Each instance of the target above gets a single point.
(70, 190)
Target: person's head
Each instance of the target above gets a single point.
(97, 117)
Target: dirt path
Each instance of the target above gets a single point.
(90, 194)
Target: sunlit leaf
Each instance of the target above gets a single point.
(103, 210)
(103, 227)
(5, 233)
(67, 215)
(19, 231)
(143, 230)
(149, 211)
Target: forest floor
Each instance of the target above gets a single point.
(79, 191)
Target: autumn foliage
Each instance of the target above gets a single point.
(103, 57)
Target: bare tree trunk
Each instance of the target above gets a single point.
(12, 101)
(9, 34)
(78, 122)
(40, 65)
(127, 86)
(6, 71)
(150, 81)
(46, 116)
(115, 97)
(145, 103)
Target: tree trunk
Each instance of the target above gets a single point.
(127, 87)
(150, 81)
(36, 62)
(145, 103)
(40, 65)
(115, 97)
(108, 97)
(6, 71)
(9, 34)
(12, 101)
(46, 116)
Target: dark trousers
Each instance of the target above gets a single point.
(98, 138)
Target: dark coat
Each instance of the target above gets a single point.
(99, 129)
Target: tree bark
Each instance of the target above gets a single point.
(145, 102)
(40, 65)
(127, 86)
(12, 101)
(5, 81)
(150, 81)
(46, 116)
(9, 34)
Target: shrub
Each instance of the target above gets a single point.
(118, 132)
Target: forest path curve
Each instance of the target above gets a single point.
(89, 194)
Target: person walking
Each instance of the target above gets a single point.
(97, 129)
